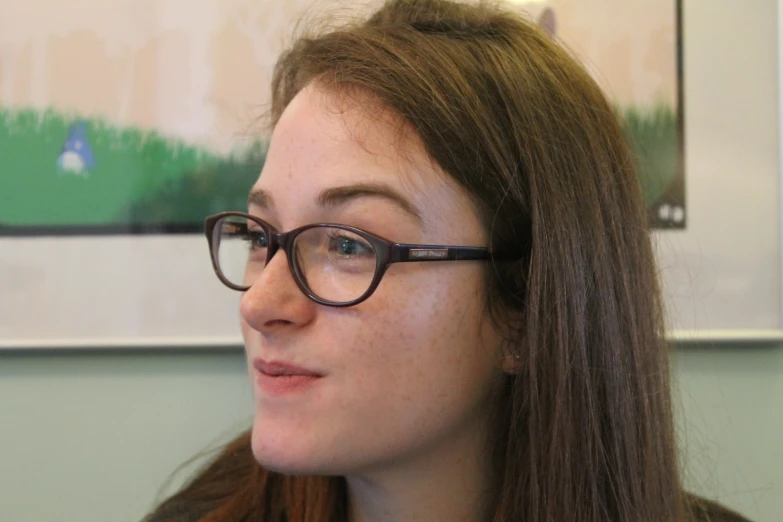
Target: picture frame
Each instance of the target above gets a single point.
(151, 284)
(722, 275)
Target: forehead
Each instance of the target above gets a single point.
(326, 139)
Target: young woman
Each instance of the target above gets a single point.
(450, 305)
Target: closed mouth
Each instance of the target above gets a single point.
(281, 369)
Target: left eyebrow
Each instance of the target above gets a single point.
(341, 195)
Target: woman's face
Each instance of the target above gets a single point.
(411, 370)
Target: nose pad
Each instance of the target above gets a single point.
(296, 267)
(273, 247)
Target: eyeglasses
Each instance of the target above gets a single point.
(334, 265)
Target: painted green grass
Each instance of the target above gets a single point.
(214, 187)
(143, 178)
(653, 136)
(133, 170)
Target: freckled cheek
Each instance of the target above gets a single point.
(419, 286)
(414, 317)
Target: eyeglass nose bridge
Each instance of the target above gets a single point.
(277, 241)
(284, 241)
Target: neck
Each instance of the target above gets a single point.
(448, 483)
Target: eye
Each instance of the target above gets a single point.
(349, 245)
(257, 238)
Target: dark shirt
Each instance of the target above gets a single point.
(702, 510)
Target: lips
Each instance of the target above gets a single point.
(277, 369)
(279, 379)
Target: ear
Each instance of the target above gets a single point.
(548, 22)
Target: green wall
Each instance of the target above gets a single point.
(92, 436)
(729, 399)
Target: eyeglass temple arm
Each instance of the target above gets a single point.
(401, 253)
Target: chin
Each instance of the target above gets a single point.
(286, 453)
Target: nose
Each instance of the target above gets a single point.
(274, 301)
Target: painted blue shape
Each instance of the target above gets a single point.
(76, 154)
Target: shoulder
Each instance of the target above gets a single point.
(703, 510)
(177, 512)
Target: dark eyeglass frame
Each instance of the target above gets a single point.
(386, 252)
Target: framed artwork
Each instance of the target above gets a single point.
(124, 123)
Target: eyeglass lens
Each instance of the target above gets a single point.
(335, 264)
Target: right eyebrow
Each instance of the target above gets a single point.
(260, 198)
(340, 195)
(335, 196)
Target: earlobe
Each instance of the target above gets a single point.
(511, 364)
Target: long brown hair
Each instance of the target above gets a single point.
(584, 428)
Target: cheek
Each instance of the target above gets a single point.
(423, 369)
(422, 328)
(435, 299)
(408, 372)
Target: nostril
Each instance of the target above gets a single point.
(277, 322)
